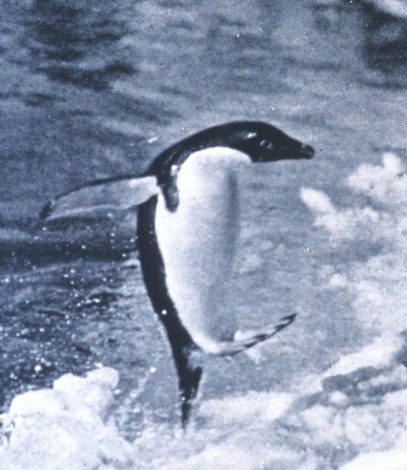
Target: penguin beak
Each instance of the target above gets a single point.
(100, 197)
(293, 151)
(306, 151)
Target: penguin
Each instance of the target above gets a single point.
(187, 235)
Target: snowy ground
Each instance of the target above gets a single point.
(351, 415)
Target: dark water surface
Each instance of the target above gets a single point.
(95, 89)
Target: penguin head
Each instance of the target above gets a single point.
(265, 143)
(261, 141)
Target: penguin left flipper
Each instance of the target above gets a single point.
(101, 196)
(231, 348)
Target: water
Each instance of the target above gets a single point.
(97, 90)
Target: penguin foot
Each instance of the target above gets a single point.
(231, 348)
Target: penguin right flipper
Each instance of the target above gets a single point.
(111, 194)
(231, 348)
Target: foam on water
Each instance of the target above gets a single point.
(350, 416)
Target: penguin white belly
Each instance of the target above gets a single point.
(198, 244)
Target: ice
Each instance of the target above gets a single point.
(380, 181)
(394, 459)
(377, 354)
(250, 407)
(67, 427)
(64, 427)
(342, 224)
(376, 285)
(238, 455)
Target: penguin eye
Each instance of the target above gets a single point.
(266, 144)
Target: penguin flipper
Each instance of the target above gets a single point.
(101, 196)
(231, 348)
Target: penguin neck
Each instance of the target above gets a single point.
(178, 153)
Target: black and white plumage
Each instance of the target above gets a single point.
(188, 228)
